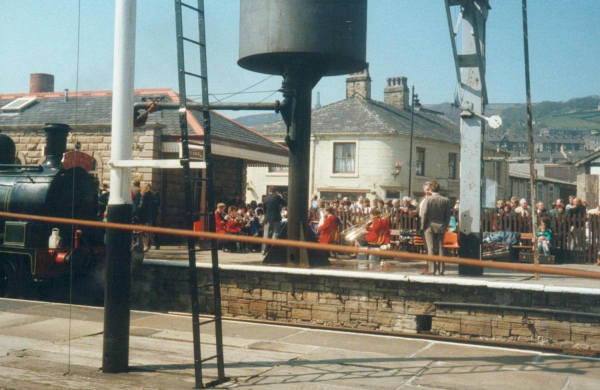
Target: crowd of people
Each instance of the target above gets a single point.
(146, 209)
(266, 219)
(515, 207)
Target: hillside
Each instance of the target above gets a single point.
(575, 114)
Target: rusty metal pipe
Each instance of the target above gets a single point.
(277, 106)
(310, 245)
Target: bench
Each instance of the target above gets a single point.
(525, 237)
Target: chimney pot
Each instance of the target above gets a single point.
(41, 82)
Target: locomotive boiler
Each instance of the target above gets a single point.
(32, 252)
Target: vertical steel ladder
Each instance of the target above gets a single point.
(185, 162)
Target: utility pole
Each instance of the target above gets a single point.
(534, 240)
(412, 127)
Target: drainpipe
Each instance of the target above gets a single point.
(313, 157)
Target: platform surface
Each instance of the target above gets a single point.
(411, 268)
(55, 346)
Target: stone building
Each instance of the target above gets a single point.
(360, 147)
(547, 189)
(588, 173)
(89, 115)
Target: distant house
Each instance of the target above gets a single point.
(551, 149)
(89, 115)
(547, 189)
(588, 173)
(360, 147)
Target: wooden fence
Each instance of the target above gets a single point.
(576, 238)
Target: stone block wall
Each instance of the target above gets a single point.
(30, 144)
(378, 305)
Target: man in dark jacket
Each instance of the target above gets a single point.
(435, 214)
(272, 205)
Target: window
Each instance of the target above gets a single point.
(19, 104)
(344, 157)
(330, 196)
(420, 171)
(498, 168)
(393, 194)
(551, 194)
(452, 166)
(539, 193)
(278, 168)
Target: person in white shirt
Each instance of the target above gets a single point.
(523, 209)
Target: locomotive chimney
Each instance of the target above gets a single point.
(41, 82)
(56, 143)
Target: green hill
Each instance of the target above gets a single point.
(575, 114)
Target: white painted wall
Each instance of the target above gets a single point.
(376, 156)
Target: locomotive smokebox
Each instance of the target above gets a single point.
(327, 36)
(56, 143)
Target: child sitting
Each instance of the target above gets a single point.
(544, 236)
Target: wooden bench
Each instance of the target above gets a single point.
(525, 237)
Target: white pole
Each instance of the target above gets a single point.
(122, 103)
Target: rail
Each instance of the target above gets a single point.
(314, 246)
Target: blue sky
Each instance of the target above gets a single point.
(405, 38)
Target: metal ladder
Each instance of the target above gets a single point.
(185, 162)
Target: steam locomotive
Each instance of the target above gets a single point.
(33, 252)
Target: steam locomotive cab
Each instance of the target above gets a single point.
(32, 251)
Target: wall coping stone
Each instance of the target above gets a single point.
(384, 277)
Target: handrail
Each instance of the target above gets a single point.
(313, 246)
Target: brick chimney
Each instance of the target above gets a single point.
(41, 82)
(396, 93)
(359, 84)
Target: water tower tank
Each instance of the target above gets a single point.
(329, 36)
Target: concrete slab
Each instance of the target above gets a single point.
(7, 304)
(269, 357)
(10, 344)
(10, 319)
(357, 342)
(204, 338)
(283, 347)
(230, 328)
(303, 376)
(54, 329)
(75, 312)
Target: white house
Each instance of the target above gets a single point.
(360, 147)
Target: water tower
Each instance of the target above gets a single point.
(301, 41)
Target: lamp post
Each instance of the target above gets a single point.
(415, 105)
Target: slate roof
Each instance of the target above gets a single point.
(358, 116)
(95, 107)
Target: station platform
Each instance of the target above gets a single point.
(56, 346)
(392, 267)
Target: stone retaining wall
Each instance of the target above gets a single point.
(384, 305)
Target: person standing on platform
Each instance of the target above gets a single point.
(435, 214)
(272, 204)
(145, 212)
